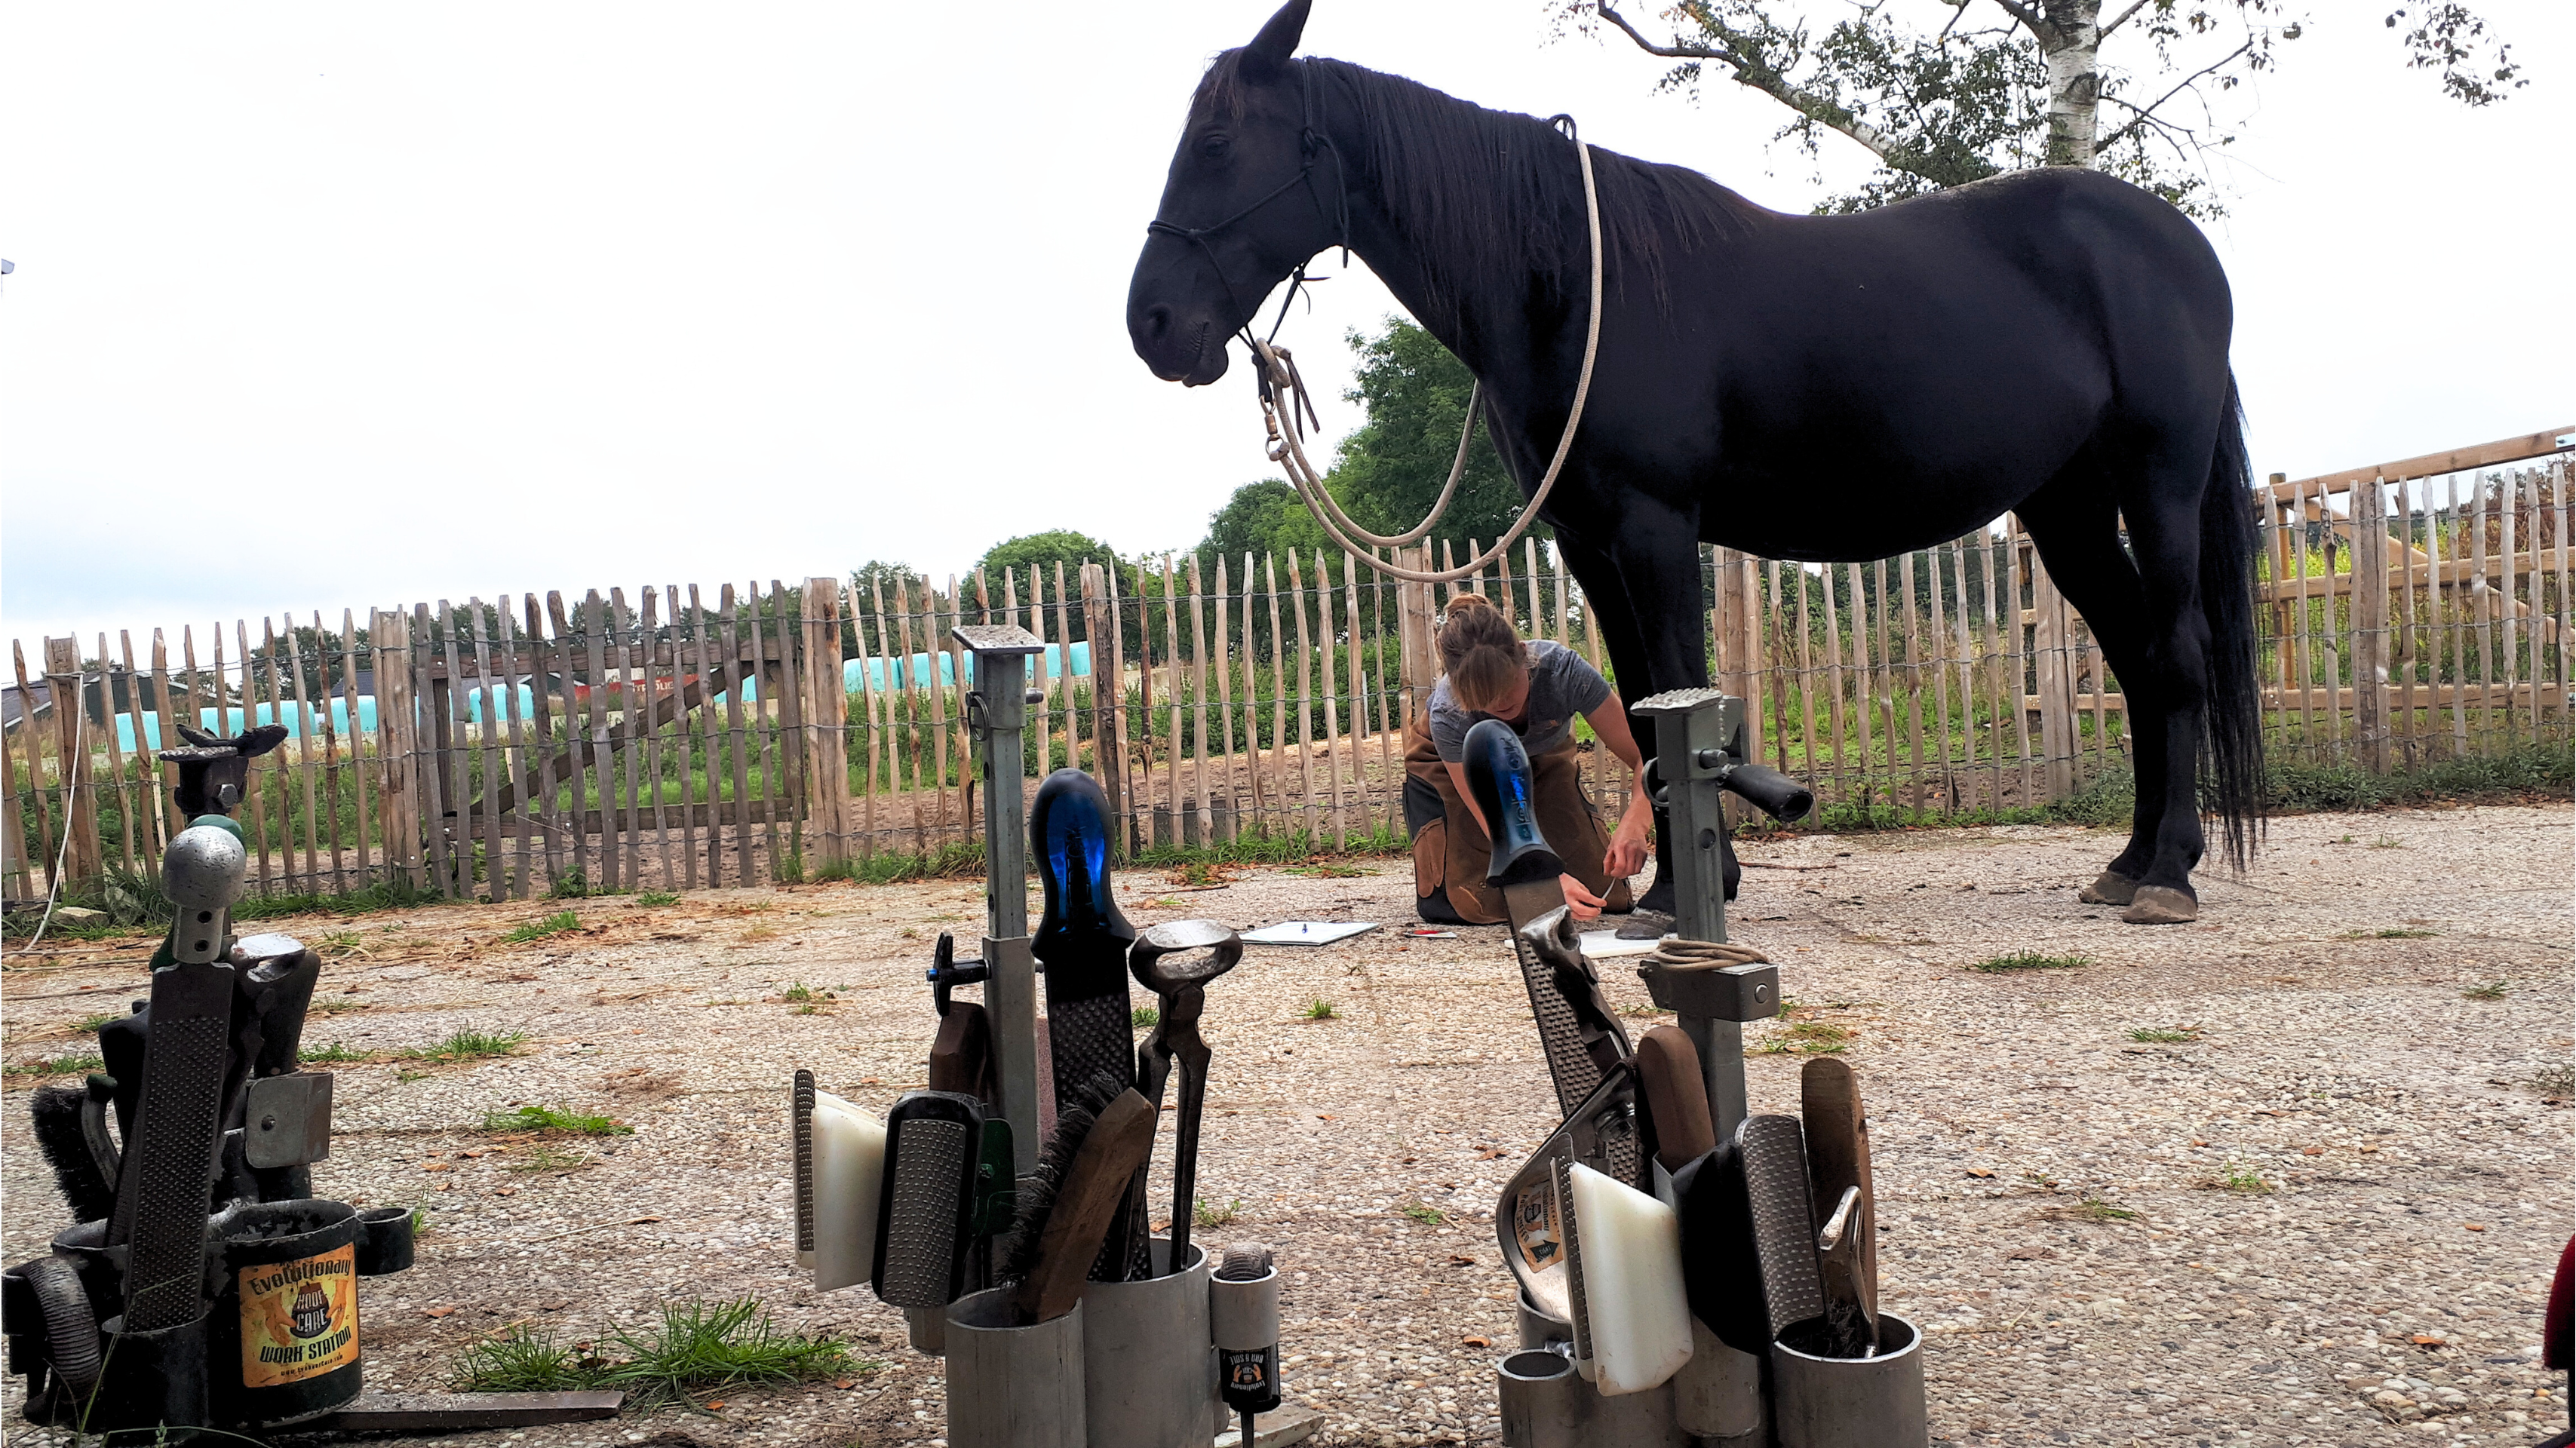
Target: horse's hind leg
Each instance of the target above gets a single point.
(2075, 524)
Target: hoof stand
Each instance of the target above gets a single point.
(2158, 905)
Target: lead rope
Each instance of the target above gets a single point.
(1283, 390)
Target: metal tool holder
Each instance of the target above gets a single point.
(1699, 740)
(997, 715)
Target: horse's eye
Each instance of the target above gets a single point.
(1215, 147)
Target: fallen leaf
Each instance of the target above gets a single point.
(2368, 1149)
(872, 1081)
(1978, 1171)
(716, 1407)
(442, 1312)
(438, 1166)
(2425, 1339)
(1461, 1259)
(1475, 1342)
(558, 1305)
(1489, 1153)
(2476, 1226)
(1407, 1161)
(846, 1384)
(2196, 1141)
(505, 1191)
(2312, 1151)
(1324, 1116)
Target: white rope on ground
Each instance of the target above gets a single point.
(1288, 450)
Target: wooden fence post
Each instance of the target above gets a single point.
(827, 716)
(2370, 652)
(72, 745)
(1108, 757)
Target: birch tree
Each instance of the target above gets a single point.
(1943, 92)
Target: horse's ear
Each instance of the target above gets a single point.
(1267, 56)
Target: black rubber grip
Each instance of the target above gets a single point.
(1504, 786)
(1770, 791)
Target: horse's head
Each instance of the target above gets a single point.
(1254, 191)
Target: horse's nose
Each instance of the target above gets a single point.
(1154, 325)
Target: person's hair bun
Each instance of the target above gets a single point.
(1480, 651)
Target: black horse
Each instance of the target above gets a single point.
(1828, 388)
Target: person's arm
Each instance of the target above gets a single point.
(1627, 853)
(1584, 904)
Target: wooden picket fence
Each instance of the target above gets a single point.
(687, 739)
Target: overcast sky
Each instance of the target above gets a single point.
(324, 306)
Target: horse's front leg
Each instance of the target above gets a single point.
(1640, 577)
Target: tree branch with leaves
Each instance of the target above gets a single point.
(2000, 85)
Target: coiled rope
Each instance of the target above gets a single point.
(1283, 391)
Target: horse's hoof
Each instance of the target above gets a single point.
(2113, 888)
(2158, 905)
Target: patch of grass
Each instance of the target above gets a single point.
(467, 1045)
(2387, 842)
(1320, 1009)
(761, 932)
(2165, 1035)
(55, 1066)
(2493, 990)
(405, 1076)
(1328, 871)
(90, 1025)
(2558, 1078)
(336, 1051)
(657, 897)
(1429, 1216)
(570, 885)
(1813, 1038)
(521, 1358)
(1209, 1214)
(799, 991)
(546, 1158)
(1202, 873)
(555, 924)
(2400, 933)
(340, 944)
(2030, 960)
(2243, 1180)
(2094, 1209)
(701, 1348)
(1145, 1018)
(549, 1120)
(807, 1009)
(1643, 1010)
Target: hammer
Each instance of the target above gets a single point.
(1175, 962)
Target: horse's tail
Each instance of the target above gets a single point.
(2231, 779)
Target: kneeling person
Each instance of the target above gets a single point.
(1536, 689)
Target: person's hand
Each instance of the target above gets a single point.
(1584, 904)
(1627, 853)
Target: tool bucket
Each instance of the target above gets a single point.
(151, 1378)
(1546, 1404)
(1876, 1402)
(1148, 1372)
(1014, 1387)
(385, 1241)
(1718, 1395)
(284, 1340)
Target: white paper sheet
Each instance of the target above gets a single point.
(1307, 932)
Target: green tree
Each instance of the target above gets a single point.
(1389, 470)
(1045, 550)
(1943, 92)
(1263, 517)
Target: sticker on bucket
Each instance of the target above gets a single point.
(299, 1319)
(1534, 1226)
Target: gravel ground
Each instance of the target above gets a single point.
(2054, 1194)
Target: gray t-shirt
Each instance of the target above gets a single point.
(1562, 685)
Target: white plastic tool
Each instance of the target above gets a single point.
(1630, 1310)
(849, 1165)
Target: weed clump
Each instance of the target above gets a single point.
(553, 1121)
(2030, 960)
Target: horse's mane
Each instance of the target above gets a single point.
(1489, 197)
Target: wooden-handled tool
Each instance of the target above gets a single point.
(1676, 1097)
(1838, 1164)
(1071, 1222)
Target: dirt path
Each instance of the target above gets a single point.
(2418, 1176)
